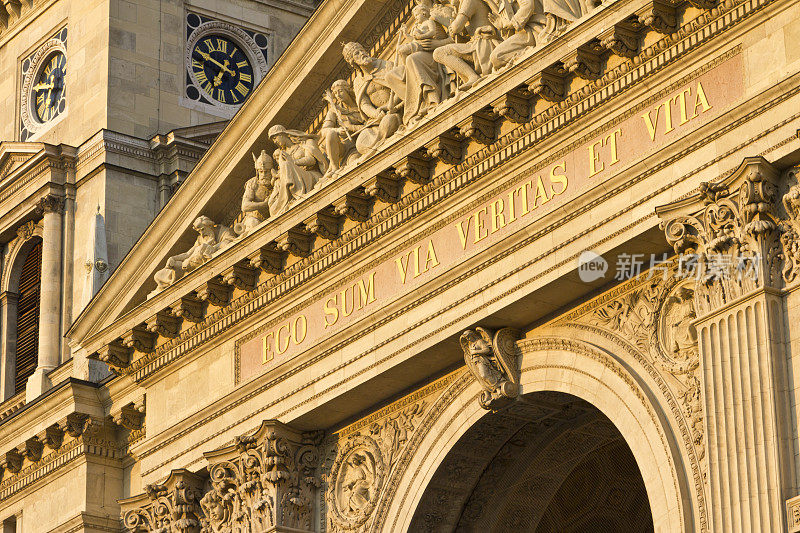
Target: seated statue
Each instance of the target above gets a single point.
(257, 190)
(341, 126)
(376, 86)
(301, 164)
(211, 239)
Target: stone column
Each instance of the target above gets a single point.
(50, 296)
(729, 231)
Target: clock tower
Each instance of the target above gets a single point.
(105, 106)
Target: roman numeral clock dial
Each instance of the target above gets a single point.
(48, 89)
(222, 70)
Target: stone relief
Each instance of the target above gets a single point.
(657, 318)
(211, 239)
(445, 49)
(492, 361)
(361, 465)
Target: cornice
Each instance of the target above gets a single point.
(466, 315)
(613, 84)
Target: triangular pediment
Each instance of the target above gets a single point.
(15, 155)
(574, 45)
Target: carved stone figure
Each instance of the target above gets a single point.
(492, 360)
(425, 79)
(341, 126)
(211, 239)
(376, 87)
(471, 59)
(357, 475)
(257, 190)
(301, 164)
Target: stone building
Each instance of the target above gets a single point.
(105, 107)
(500, 266)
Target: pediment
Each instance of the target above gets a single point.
(15, 155)
(292, 96)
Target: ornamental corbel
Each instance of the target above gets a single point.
(140, 338)
(189, 308)
(269, 258)
(384, 186)
(297, 241)
(479, 127)
(586, 61)
(514, 106)
(33, 449)
(215, 292)
(54, 437)
(326, 223)
(76, 424)
(242, 276)
(661, 15)
(355, 205)
(623, 38)
(130, 416)
(116, 355)
(414, 168)
(446, 147)
(164, 323)
(549, 84)
(26, 231)
(12, 461)
(492, 359)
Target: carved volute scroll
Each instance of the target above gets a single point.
(729, 231)
(266, 480)
(171, 506)
(492, 360)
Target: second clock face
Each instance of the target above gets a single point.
(48, 90)
(222, 69)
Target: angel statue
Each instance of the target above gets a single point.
(492, 360)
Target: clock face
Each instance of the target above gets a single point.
(222, 69)
(48, 88)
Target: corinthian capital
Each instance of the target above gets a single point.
(727, 231)
(50, 204)
(266, 479)
(177, 498)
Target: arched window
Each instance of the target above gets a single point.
(30, 282)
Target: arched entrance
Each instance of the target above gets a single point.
(551, 462)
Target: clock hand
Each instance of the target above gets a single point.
(208, 57)
(218, 77)
(42, 86)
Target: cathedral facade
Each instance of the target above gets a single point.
(451, 265)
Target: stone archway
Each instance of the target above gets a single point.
(549, 463)
(598, 383)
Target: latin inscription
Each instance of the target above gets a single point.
(425, 258)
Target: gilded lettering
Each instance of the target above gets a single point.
(296, 337)
(540, 193)
(281, 347)
(651, 125)
(701, 100)
(680, 101)
(402, 266)
(558, 178)
(611, 140)
(498, 217)
(267, 350)
(366, 291)
(462, 233)
(330, 311)
(478, 225)
(594, 158)
(345, 312)
(430, 258)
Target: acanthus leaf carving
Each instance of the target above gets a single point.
(172, 506)
(262, 481)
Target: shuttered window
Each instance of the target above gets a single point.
(30, 282)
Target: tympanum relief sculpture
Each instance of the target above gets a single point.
(492, 360)
(445, 49)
